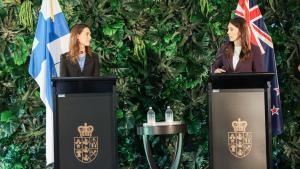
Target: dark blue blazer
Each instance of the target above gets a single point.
(70, 69)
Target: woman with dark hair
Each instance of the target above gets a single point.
(238, 55)
(80, 60)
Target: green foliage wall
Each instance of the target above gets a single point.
(161, 52)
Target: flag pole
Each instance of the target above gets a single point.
(51, 10)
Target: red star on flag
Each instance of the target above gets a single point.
(277, 91)
(274, 110)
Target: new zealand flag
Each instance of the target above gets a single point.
(249, 10)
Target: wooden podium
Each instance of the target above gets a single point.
(84, 123)
(239, 121)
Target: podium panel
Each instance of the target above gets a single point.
(84, 123)
(237, 144)
(239, 121)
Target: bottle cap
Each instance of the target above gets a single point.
(150, 108)
(168, 107)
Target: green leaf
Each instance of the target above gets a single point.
(109, 31)
(3, 11)
(6, 116)
(168, 38)
(119, 114)
(18, 166)
(119, 25)
(7, 129)
(194, 18)
(20, 50)
(217, 28)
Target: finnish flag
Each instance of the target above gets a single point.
(51, 40)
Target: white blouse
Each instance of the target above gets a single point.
(236, 56)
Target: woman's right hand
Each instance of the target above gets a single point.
(218, 70)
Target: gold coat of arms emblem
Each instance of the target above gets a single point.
(239, 141)
(86, 146)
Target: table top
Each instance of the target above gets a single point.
(161, 128)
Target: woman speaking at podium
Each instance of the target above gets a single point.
(238, 55)
(80, 60)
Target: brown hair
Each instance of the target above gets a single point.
(74, 52)
(240, 23)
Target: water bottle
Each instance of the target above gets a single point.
(169, 115)
(150, 116)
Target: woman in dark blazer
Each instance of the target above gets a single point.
(80, 60)
(238, 55)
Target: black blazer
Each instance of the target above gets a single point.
(70, 69)
(253, 64)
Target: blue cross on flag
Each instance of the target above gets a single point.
(50, 41)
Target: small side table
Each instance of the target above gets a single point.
(163, 128)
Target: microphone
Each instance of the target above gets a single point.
(56, 71)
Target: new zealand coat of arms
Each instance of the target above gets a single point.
(86, 146)
(239, 141)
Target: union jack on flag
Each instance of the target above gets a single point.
(249, 10)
